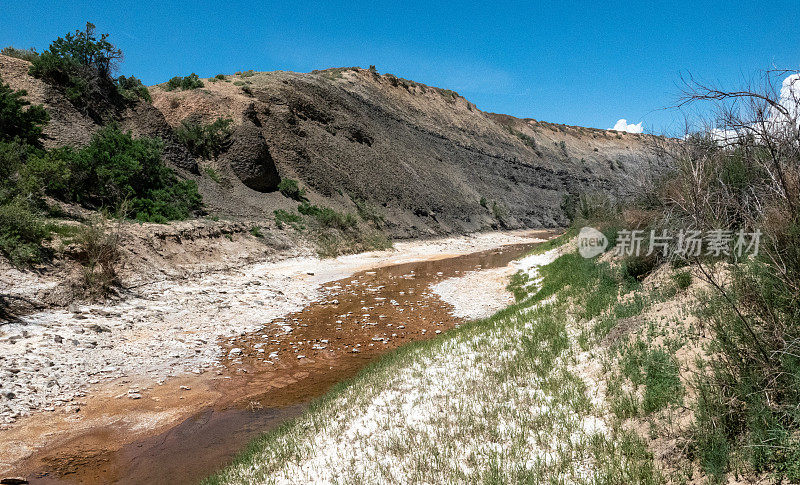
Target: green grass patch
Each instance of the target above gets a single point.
(212, 174)
(283, 218)
(656, 371)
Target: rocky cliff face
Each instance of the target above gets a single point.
(422, 157)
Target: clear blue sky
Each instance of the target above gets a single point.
(568, 62)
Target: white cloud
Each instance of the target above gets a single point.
(777, 119)
(790, 99)
(623, 125)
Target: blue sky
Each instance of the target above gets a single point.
(573, 62)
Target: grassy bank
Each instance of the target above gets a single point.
(518, 397)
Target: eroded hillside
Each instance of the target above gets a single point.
(424, 159)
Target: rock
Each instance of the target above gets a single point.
(236, 351)
(98, 328)
(250, 159)
(134, 395)
(58, 339)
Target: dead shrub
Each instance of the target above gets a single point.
(99, 254)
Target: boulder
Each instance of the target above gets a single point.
(249, 158)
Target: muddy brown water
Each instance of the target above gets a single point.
(275, 373)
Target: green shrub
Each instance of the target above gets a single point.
(499, 212)
(207, 141)
(484, 203)
(589, 207)
(24, 54)
(119, 173)
(256, 232)
(221, 77)
(526, 139)
(186, 83)
(132, 89)
(85, 48)
(18, 118)
(13, 155)
(21, 233)
(682, 279)
(449, 94)
(45, 172)
(291, 189)
(80, 64)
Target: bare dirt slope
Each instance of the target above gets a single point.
(424, 156)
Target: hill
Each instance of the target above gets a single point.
(424, 160)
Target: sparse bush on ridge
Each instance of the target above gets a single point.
(184, 83)
(132, 89)
(80, 64)
(25, 54)
(526, 139)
